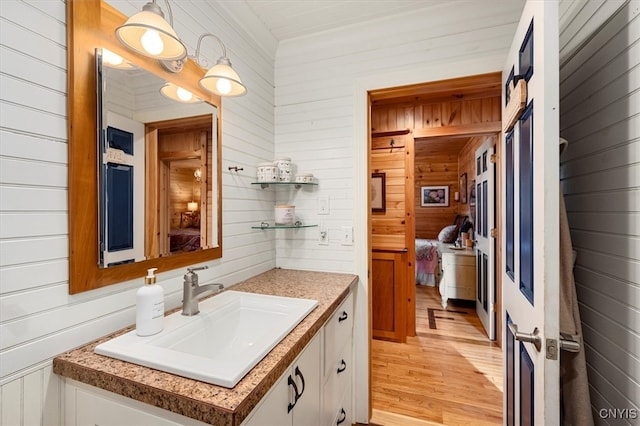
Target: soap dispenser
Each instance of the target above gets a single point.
(149, 306)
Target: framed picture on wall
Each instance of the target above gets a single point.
(378, 195)
(434, 196)
(463, 188)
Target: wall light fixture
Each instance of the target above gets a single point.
(148, 33)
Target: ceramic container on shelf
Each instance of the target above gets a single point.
(284, 168)
(267, 172)
(304, 178)
(285, 214)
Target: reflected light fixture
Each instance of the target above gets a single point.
(113, 60)
(221, 79)
(149, 34)
(177, 93)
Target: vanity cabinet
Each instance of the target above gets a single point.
(314, 389)
(326, 399)
(338, 365)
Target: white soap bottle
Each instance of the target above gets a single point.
(149, 306)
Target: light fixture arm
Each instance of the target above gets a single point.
(224, 49)
(153, 7)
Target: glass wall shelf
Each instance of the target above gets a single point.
(266, 225)
(296, 184)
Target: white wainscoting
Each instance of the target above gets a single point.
(600, 173)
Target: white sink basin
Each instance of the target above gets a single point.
(232, 333)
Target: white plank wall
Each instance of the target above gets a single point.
(315, 87)
(38, 318)
(600, 172)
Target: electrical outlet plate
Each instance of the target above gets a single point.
(323, 235)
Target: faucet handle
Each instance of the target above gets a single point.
(199, 268)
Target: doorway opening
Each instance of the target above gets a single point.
(423, 361)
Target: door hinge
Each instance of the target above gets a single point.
(494, 232)
(493, 158)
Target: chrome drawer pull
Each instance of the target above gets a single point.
(343, 366)
(343, 317)
(343, 417)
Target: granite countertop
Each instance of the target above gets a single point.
(202, 401)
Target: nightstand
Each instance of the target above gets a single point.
(458, 274)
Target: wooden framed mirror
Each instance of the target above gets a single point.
(91, 24)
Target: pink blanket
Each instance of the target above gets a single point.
(426, 262)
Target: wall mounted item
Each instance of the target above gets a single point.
(149, 34)
(472, 193)
(463, 188)
(434, 196)
(92, 23)
(378, 193)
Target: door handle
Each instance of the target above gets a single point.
(343, 317)
(292, 382)
(343, 366)
(533, 338)
(343, 417)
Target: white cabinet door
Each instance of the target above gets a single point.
(272, 411)
(295, 398)
(87, 405)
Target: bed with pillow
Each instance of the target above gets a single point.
(187, 236)
(428, 252)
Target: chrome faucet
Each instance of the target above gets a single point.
(191, 291)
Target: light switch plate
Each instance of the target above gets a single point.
(346, 238)
(323, 204)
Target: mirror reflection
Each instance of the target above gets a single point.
(156, 168)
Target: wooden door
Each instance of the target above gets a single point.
(388, 298)
(530, 246)
(485, 233)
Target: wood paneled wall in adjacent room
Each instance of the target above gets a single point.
(434, 169)
(438, 161)
(389, 227)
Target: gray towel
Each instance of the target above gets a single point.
(576, 403)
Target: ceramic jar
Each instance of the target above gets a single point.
(267, 172)
(304, 178)
(284, 169)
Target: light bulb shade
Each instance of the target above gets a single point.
(178, 94)
(192, 206)
(132, 32)
(222, 80)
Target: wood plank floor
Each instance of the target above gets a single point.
(449, 374)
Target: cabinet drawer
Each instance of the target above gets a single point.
(453, 259)
(337, 332)
(343, 415)
(466, 293)
(338, 382)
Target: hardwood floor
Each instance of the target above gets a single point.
(449, 374)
